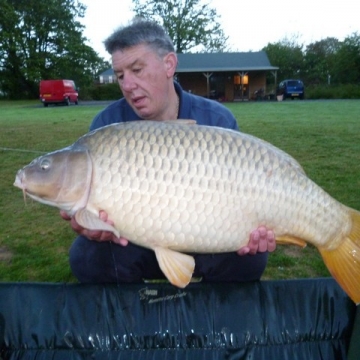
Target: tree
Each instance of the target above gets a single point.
(288, 56)
(190, 24)
(42, 39)
(347, 61)
(319, 60)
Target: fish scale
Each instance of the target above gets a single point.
(178, 187)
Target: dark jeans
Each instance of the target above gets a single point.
(106, 262)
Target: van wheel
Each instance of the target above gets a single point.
(46, 105)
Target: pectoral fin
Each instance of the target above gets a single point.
(177, 267)
(90, 221)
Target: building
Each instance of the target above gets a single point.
(221, 76)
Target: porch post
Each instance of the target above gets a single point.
(242, 74)
(208, 75)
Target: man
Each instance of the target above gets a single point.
(144, 62)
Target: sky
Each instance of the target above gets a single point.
(250, 25)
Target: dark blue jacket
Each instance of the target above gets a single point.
(204, 111)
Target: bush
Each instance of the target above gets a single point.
(101, 92)
(345, 91)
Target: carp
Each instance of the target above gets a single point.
(176, 187)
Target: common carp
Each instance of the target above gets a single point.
(176, 187)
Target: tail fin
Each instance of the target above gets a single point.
(344, 262)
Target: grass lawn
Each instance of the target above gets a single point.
(324, 136)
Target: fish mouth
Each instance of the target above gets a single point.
(20, 184)
(19, 180)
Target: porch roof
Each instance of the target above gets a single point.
(221, 62)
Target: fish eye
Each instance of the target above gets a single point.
(44, 164)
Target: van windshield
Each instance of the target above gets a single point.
(294, 83)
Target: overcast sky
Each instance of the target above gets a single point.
(250, 25)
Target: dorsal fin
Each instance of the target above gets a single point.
(181, 121)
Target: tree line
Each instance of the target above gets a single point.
(43, 39)
(325, 62)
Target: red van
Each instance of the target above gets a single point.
(58, 92)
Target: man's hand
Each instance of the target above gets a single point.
(97, 235)
(261, 240)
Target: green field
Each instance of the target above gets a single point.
(324, 136)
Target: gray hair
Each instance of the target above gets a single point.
(140, 31)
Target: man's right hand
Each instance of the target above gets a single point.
(96, 235)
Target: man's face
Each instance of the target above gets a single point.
(145, 80)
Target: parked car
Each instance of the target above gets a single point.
(291, 89)
(58, 92)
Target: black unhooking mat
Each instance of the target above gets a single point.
(296, 319)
